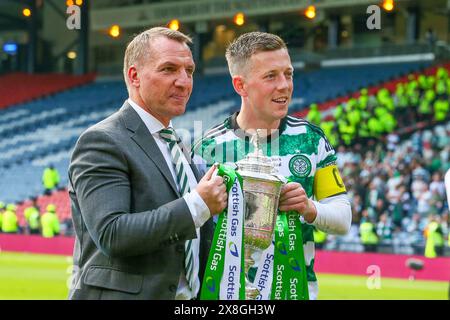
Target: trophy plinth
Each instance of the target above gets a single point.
(261, 187)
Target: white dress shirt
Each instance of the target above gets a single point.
(199, 210)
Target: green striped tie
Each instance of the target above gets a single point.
(173, 140)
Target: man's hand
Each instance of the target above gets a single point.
(293, 197)
(213, 192)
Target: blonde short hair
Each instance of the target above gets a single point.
(241, 49)
(139, 49)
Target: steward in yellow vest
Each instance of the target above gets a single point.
(50, 222)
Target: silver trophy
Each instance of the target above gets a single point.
(262, 188)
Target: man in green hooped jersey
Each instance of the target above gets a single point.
(262, 74)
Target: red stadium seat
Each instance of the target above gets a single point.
(59, 198)
(21, 87)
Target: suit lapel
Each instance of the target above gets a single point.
(142, 137)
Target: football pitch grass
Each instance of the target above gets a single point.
(46, 277)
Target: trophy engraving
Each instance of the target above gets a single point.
(261, 187)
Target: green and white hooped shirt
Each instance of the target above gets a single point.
(300, 150)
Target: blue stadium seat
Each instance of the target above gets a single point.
(45, 130)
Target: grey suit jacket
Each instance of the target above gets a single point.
(130, 220)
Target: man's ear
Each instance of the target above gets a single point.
(239, 85)
(133, 77)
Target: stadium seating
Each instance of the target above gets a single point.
(21, 87)
(373, 86)
(44, 131)
(399, 105)
(407, 229)
(59, 198)
(330, 83)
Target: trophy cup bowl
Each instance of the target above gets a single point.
(261, 188)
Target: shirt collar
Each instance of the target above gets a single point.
(244, 135)
(153, 125)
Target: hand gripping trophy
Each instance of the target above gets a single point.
(262, 188)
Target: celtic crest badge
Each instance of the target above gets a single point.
(300, 166)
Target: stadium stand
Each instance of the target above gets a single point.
(322, 87)
(396, 181)
(44, 131)
(21, 87)
(60, 199)
(401, 189)
(420, 100)
(327, 106)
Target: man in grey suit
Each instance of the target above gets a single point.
(134, 223)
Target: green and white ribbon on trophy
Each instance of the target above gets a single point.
(281, 273)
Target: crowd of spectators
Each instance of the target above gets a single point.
(398, 185)
(393, 151)
(369, 117)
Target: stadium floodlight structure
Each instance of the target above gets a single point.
(174, 24)
(74, 2)
(114, 31)
(74, 18)
(71, 55)
(26, 12)
(310, 12)
(388, 5)
(239, 19)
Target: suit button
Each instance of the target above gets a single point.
(172, 288)
(180, 248)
